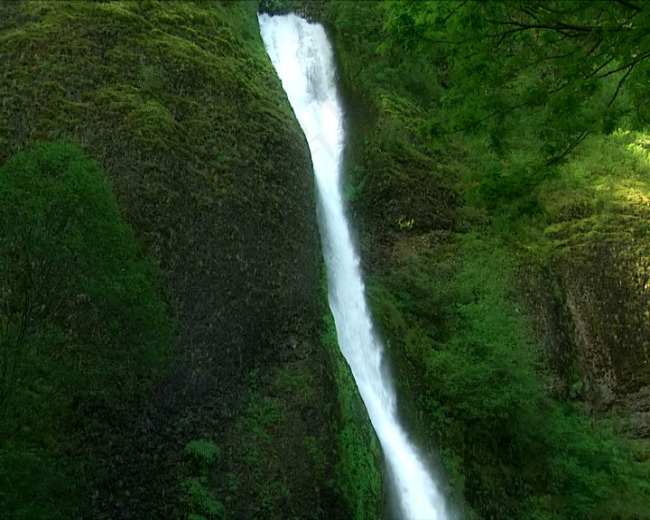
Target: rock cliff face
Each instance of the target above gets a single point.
(592, 302)
(608, 303)
(183, 111)
(181, 107)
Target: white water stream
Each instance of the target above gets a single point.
(303, 58)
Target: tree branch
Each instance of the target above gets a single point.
(559, 27)
(570, 148)
(620, 84)
(600, 67)
(454, 11)
(623, 67)
(629, 5)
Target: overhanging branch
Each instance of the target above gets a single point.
(569, 149)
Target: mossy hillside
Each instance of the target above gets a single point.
(584, 267)
(448, 298)
(280, 456)
(179, 104)
(393, 182)
(465, 356)
(182, 108)
(476, 393)
(285, 456)
(437, 294)
(378, 86)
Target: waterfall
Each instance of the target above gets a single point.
(303, 58)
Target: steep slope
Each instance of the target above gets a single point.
(180, 106)
(505, 319)
(593, 309)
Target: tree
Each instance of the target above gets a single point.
(78, 306)
(532, 79)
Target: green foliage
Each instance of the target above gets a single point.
(387, 95)
(197, 500)
(72, 277)
(82, 327)
(608, 172)
(258, 425)
(366, 71)
(600, 195)
(35, 484)
(203, 453)
(277, 419)
(532, 79)
(197, 497)
(358, 470)
(513, 121)
(405, 224)
(465, 364)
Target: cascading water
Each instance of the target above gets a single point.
(303, 58)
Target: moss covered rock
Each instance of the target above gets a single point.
(594, 318)
(180, 105)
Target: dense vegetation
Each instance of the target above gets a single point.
(165, 350)
(498, 170)
(180, 107)
(84, 332)
(531, 79)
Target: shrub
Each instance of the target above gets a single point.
(83, 331)
(196, 498)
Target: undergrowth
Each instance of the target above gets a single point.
(84, 333)
(471, 384)
(445, 226)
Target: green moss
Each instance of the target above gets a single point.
(391, 175)
(358, 474)
(601, 194)
(197, 500)
(272, 426)
(342, 460)
(180, 105)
